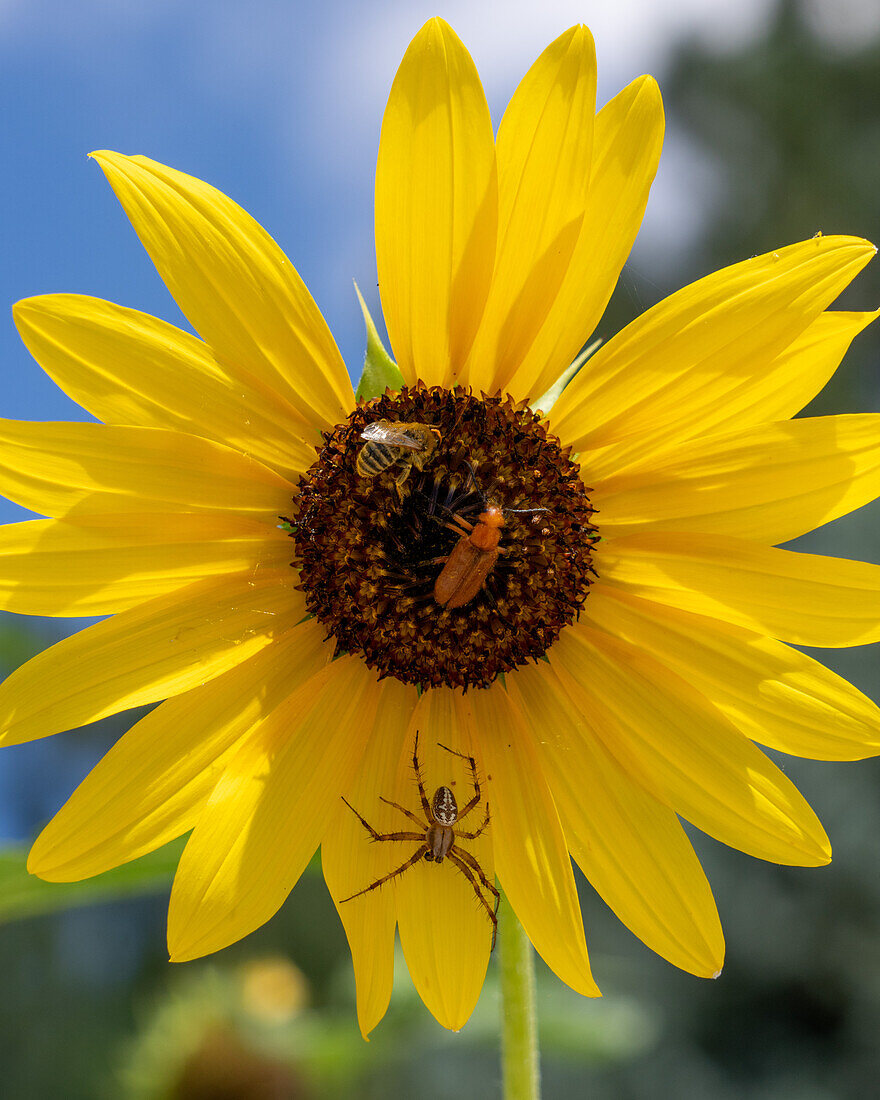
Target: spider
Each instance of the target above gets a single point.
(439, 837)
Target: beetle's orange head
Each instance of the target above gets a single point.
(492, 517)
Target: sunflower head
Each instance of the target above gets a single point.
(369, 556)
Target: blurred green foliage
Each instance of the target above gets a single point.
(23, 895)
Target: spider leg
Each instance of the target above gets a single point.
(383, 836)
(426, 807)
(408, 813)
(474, 835)
(469, 875)
(386, 878)
(471, 861)
(466, 809)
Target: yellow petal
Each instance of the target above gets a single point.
(626, 149)
(56, 468)
(774, 694)
(152, 785)
(150, 652)
(771, 483)
(436, 206)
(679, 746)
(630, 846)
(793, 378)
(806, 599)
(350, 861)
(269, 810)
(782, 389)
(530, 850)
(125, 367)
(98, 565)
(234, 284)
(544, 150)
(445, 931)
(703, 346)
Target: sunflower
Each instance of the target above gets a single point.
(617, 662)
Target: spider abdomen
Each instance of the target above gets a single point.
(444, 808)
(439, 840)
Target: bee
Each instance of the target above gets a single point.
(473, 557)
(389, 442)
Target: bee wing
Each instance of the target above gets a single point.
(395, 435)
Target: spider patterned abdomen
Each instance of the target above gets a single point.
(444, 807)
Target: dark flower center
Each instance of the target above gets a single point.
(373, 536)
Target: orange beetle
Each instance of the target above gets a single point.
(472, 559)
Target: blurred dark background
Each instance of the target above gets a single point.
(773, 137)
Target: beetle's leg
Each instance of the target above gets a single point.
(428, 561)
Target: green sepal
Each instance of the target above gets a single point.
(380, 371)
(547, 400)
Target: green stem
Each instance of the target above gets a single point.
(519, 1021)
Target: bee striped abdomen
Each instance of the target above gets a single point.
(376, 457)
